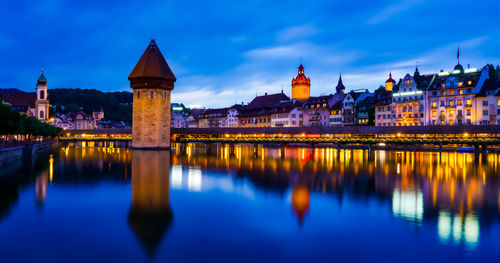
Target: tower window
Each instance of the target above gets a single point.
(41, 114)
(138, 94)
(42, 95)
(151, 94)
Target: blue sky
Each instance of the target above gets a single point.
(224, 52)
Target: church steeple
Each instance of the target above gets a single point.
(340, 86)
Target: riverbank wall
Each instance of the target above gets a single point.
(11, 154)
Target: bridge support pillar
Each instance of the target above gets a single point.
(231, 149)
(208, 148)
(282, 150)
(370, 152)
(484, 152)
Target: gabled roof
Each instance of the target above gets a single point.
(19, 99)
(152, 65)
(269, 101)
(287, 106)
(317, 100)
(337, 105)
(489, 87)
(464, 78)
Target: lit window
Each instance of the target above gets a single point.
(469, 102)
(470, 82)
(434, 114)
(498, 103)
(459, 102)
(443, 85)
(452, 92)
(461, 91)
(460, 84)
(451, 113)
(451, 103)
(434, 104)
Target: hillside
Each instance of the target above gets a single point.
(116, 105)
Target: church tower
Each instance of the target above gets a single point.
(151, 81)
(340, 86)
(42, 102)
(301, 86)
(389, 83)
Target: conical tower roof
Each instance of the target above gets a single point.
(152, 65)
(340, 86)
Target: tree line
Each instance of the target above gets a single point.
(11, 123)
(117, 106)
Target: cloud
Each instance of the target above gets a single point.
(297, 32)
(395, 8)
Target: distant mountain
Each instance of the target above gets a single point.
(11, 91)
(117, 106)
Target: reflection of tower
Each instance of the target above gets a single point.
(41, 188)
(301, 86)
(152, 80)
(300, 201)
(150, 214)
(41, 183)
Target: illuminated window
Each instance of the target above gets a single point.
(459, 102)
(451, 113)
(434, 114)
(498, 103)
(469, 102)
(324, 104)
(451, 103)
(434, 104)
(470, 82)
(460, 84)
(443, 85)
(452, 92)
(461, 92)
(451, 122)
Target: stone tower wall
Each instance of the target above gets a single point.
(151, 119)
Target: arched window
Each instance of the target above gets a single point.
(41, 114)
(42, 94)
(151, 94)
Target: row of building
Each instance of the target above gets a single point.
(460, 97)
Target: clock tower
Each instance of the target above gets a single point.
(301, 86)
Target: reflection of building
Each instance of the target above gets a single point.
(150, 214)
(300, 201)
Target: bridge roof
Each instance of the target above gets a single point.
(366, 130)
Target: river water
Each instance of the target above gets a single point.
(300, 205)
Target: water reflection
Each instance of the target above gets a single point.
(263, 198)
(453, 190)
(150, 214)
